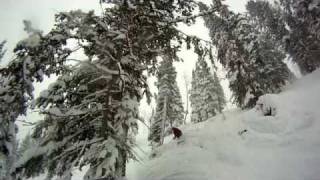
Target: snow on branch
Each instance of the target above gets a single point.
(186, 18)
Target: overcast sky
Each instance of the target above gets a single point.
(41, 13)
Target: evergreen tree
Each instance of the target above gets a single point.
(220, 93)
(303, 41)
(4, 145)
(2, 50)
(206, 97)
(169, 109)
(268, 18)
(8, 129)
(91, 111)
(254, 65)
(76, 125)
(16, 90)
(296, 26)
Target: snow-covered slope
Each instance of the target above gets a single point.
(285, 146)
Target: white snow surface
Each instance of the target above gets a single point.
(285, 146)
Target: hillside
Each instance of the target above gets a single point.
(283, 146)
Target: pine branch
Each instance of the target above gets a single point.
(26, 123)
(70, 150)
(192, 36)
(185, 19)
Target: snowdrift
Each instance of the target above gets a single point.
(247, 145)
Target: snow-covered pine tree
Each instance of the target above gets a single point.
(89, 113)
(269, 18)
(220, 93)
(269, 21)
(16, 89)
(195, 102)
(2, 159)
(2, 50)
(303, 41)
(76, 130)
(295, 24)
(206, 97)
(169, 109)
(3, 131)
(187, 83)
(254, 66)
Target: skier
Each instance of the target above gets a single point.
(176, 132)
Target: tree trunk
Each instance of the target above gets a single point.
(186, 82)
(122, 157)
(120, 165)
(187, 108)
(163, 120)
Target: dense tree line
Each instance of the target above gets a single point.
(250, 54)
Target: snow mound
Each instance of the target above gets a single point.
(278, 140)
